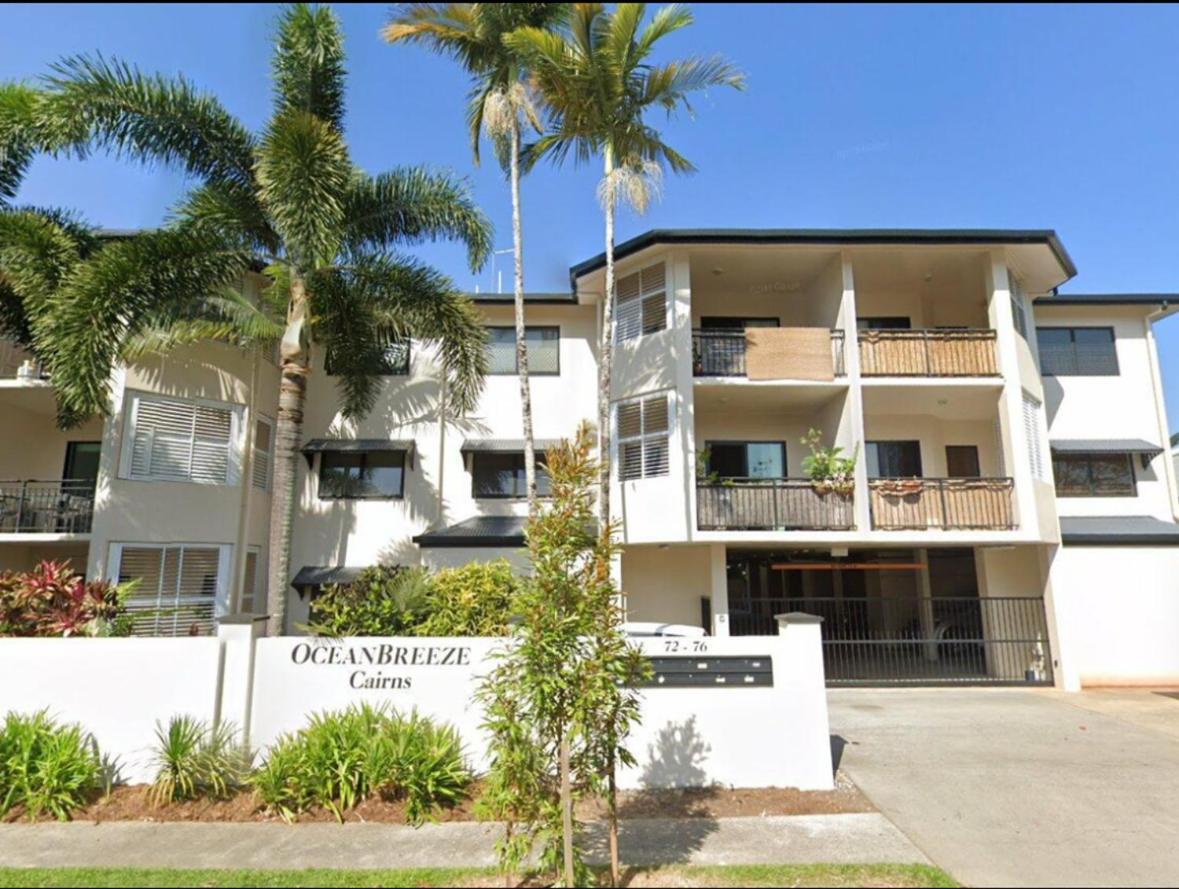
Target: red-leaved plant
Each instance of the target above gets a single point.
(54, 600)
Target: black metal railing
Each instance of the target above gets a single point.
(30, 506)
(910, 639)
(721, 353)
(928, 353)
(771, 504)
(949, 504)
(16, 362)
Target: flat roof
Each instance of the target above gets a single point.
(930, 236)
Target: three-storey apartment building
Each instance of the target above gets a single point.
(1010, 517)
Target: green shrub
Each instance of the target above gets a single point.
(46, 766)
(474, 600)
(380, 602)
(344, 757)
(54, 600)
(196, 760)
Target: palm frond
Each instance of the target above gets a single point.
(413, 204)
(17, 140)
(95, 102)
(232, 209)
(308, 64)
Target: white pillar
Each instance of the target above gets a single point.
(719, 595)
(237, 635)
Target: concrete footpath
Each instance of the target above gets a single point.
(794, 839)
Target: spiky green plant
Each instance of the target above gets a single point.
(194, 759)
(46, 766)
(329, 233)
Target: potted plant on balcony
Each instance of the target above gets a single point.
(826, 467)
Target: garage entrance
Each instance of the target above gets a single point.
(894, 617)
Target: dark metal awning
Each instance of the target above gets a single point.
(356, 445)
(506, 445)
(1133, 530)
(1104, 446)
(477, 532)
(322, 575)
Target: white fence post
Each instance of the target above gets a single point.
(235, 684)
(804, 670)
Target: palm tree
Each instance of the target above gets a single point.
(500, 104)
(598, 84)
(329, 234)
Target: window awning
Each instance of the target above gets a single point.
(321, 575)
(1104, 446)
(479, 531)
(506, 445)
(1134, 530)
(356, 445)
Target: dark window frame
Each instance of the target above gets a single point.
(865, 322)
(709, 444)
(1072, 331)
(1088, 457)
(960, 448)
(531, 371)
(737, 322)
(519, 479)
(364, 455)
(386, 369)
(896, 441)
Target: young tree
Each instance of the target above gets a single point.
(598, 85)
(561, 699)
(500, 105)
(329, 232)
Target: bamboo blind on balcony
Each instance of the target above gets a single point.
(789, 353)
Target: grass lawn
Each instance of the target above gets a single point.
(872, 875)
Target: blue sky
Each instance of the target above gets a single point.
(1059, 117)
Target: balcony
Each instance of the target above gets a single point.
(721, 353)
(29, 506)
(18, 363)
(775, 504)
(928, 353)
(947, 504)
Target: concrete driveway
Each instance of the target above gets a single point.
(1022, 787)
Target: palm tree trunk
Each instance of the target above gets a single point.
(606, 348)
(288, 432)
(521, 346)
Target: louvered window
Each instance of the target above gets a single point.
(1035, 440)
(263, 453)
(251, 594)
(1019, 315)
(543, 344)
(643, 427)
(1077, 351)
(180, 441)
(641, 304)
(180, 588)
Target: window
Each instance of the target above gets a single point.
(1094, 475)
(361, 475)
(962, 461)
(643, 426)
(747, 459)
(501, 474)
(1077, 351)
(733, 323)
(394, 362)
(180, 441)
(252, 599)
(263, 452)
(1018, 314)
(890, 322)
(543, 344)
(641, 306)
(893, 459)
(81, 465)
(180, 590)
(1032, 431)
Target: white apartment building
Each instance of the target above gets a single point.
(1012, 517)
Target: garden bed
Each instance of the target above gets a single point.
(131, 803)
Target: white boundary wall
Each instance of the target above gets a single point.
(758, 736)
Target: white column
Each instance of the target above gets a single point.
(851, 361)
(235, 693)
(718, 564)
(1065, 674)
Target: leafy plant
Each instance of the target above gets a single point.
(194, 759)
(344, 757)
(826, 467)
(46, 766)
(54, 600)
(475, 600)
(380, 602)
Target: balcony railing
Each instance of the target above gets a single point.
(721, 353)
(17, 362)
(950, 504)
(927, 353)
(776, 504)
(29, 506)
